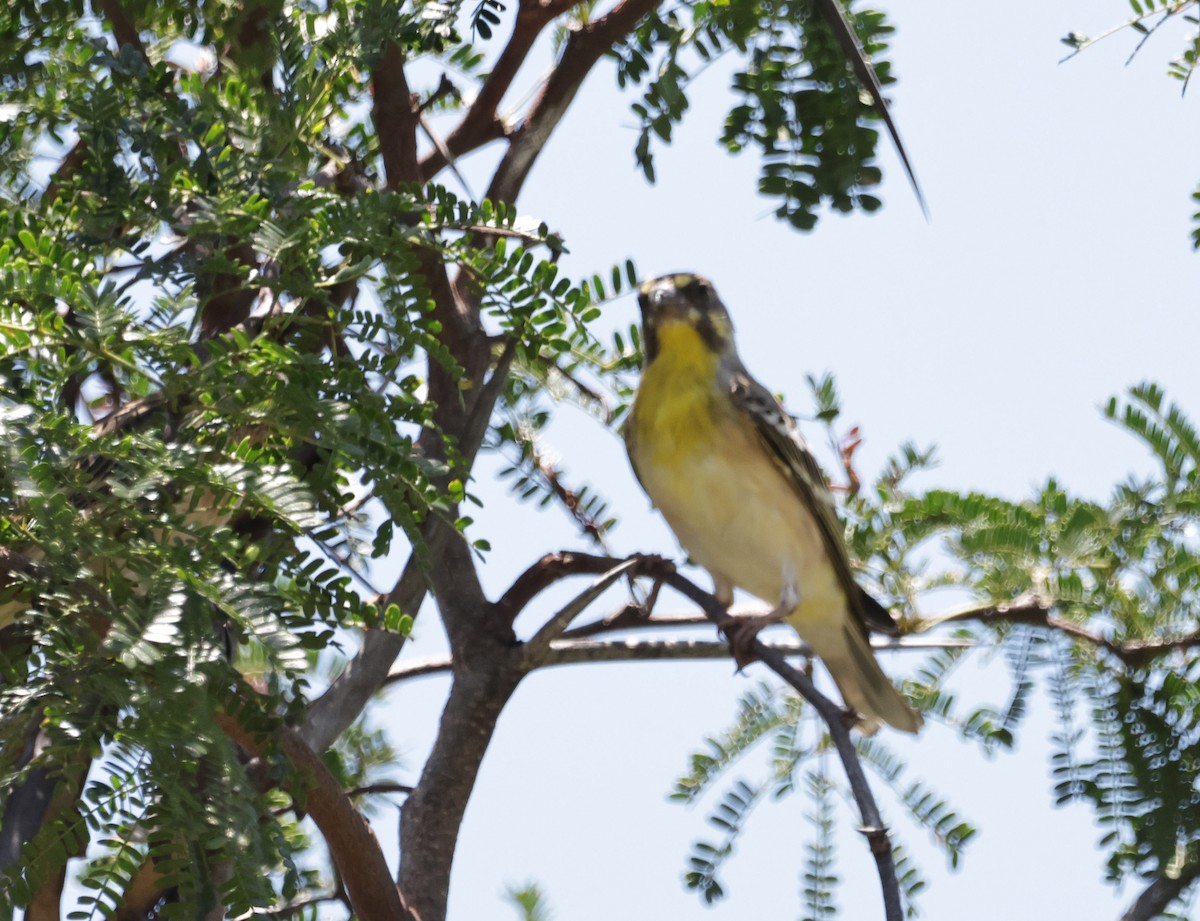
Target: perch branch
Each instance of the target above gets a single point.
(581, 652)
(834, 717)
(553, 567)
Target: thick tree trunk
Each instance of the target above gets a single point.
(429, 823)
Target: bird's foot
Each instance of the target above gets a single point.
(741, 630)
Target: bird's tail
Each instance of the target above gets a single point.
(866, 688)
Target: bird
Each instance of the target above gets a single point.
(725, 464)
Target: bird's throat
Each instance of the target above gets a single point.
(677, 407)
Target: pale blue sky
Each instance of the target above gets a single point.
(1056, 270)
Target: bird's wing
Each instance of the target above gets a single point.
(779, 435)
(627, 432)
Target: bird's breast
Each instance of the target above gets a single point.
(731, 506)
(677, 411)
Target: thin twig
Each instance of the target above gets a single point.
(553, 627)
(1081, 44)
(838, 722)
(528, 237)
(444, 151)
(295, 908)
(592, 527)
(589, 393)
(343, 564)
(633, 617)
(373, 789)
(1147, 34)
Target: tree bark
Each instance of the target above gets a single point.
(432, 814)
(1162, 891)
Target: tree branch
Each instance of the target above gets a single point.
(551, 568)
(65, 791)
(300, 906)
(586, 44)
(1162, 891)
(143, 892)
(339, 706)
(66, 169)
(632, 617)
(378, 788)
(123, 28)
(481, 410)
(396, 118)
(585, 652)
(46, 904)
(836, 718)
(352, 844)
(576, 652)
(484, 680)
(1036, 611)
(554, 627)
(333, 712)
(482, 122)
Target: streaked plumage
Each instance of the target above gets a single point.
(728, 469)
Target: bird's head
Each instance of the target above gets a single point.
(689, 301)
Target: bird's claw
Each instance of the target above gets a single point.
(742, 631)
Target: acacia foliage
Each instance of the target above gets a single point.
(1148, 17)
(229, 354)
(224, 309)
(1115, 657)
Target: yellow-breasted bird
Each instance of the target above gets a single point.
(725, 464)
